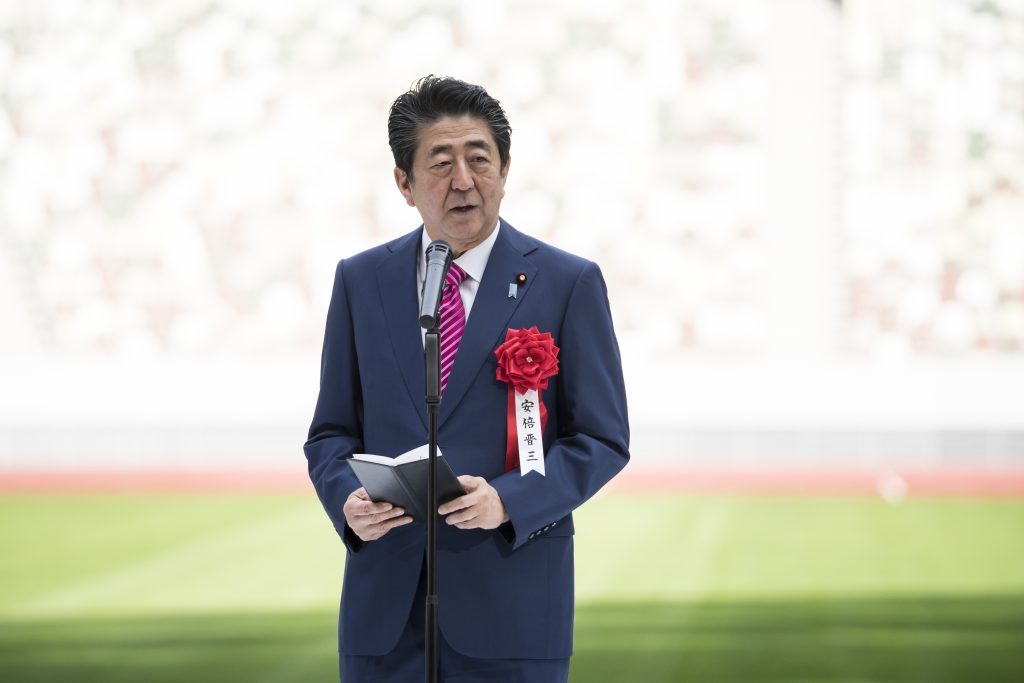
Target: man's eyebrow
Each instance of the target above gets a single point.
(479, 143)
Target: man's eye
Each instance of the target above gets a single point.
(442, 164)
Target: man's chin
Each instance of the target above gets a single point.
(464, 221)
(465, 234)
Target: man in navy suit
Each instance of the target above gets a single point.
(505, 548)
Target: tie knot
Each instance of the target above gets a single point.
(455, 275)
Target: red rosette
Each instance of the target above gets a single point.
(526, 360)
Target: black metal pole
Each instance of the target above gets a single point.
(432, 361)
(439, 257)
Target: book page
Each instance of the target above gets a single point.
(420, 453)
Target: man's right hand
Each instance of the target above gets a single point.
(370, 520)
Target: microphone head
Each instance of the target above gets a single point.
(439, 258)
(439, 251)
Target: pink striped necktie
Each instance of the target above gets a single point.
(453, 321)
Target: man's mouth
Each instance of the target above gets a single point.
(463, 209)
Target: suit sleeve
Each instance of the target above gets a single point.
(336, 431)
(593, 436)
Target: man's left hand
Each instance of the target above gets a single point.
(480, 508)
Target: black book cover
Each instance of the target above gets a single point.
(402, 481)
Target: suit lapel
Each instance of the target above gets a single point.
(491, 311)
(396, 277)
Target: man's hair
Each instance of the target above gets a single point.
(430, 99)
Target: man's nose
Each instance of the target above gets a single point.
(462, 179)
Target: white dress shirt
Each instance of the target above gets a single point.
(473, 261)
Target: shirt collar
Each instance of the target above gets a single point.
(474, 261)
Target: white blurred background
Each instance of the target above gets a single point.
(810, 215)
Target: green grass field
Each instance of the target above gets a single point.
(195, 588)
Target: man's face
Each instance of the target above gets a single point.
(457, 182)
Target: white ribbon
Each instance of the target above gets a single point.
(528, 428)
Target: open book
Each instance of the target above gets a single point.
(402, 481)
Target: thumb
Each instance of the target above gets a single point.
(469, 482)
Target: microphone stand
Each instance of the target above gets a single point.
(438, 260)
(432, 361)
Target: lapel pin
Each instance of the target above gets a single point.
(513, 287)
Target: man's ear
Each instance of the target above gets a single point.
(404, 184)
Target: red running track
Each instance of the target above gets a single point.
(889, 484)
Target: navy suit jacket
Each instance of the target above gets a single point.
(504, 593)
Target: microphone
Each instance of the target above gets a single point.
(439, 259)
